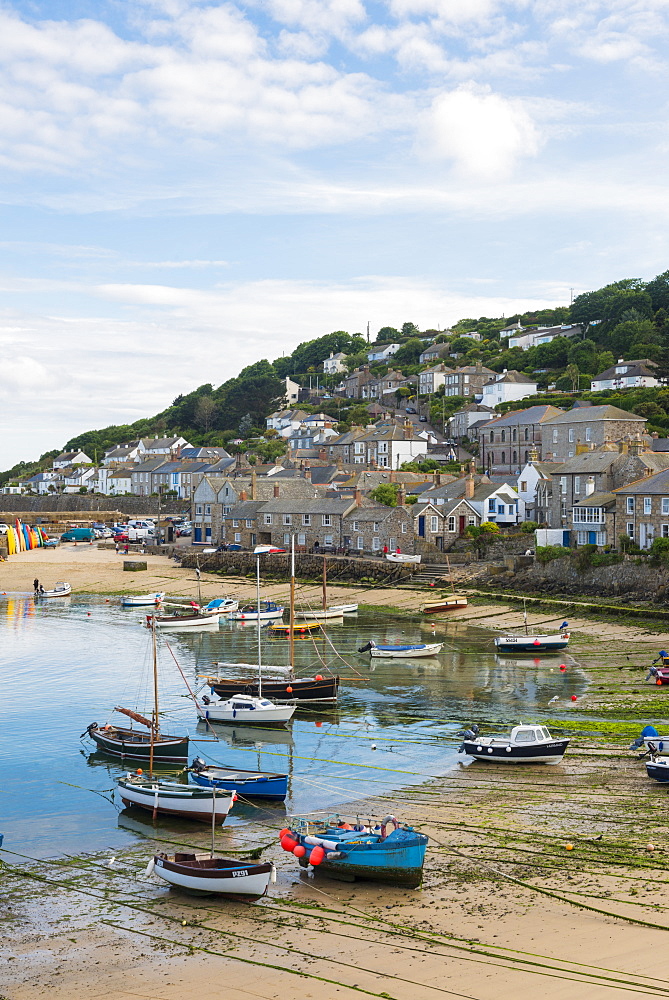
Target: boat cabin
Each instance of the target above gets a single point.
(530, 734)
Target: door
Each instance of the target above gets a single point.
(197, 535)
(461, 524)
(421, 526)
(592, 538)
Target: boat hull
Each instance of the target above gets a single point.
(63, 591)
(142, 601)
(188, 621)
(231, 879)
(448, 604)
(279, 715)
(531, 644)
(321, 615)
(543, 753)
(299, 628)
(402, 652)
(252, 616)
(658, 771)
(173, 799)
(249, 784)
(395, 557)
(397, 860)
(304, 690)
(133, 745)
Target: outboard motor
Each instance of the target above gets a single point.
(647, 731)
(467, 734)
(198, 764)
(89, 730)
(366, 649)
(206, 700)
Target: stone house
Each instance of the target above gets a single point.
(508, 387)
(439, 525)
(593, 520)
(140, 476)
(433, 378)
(468, 381)
(472, 414)
(506, 442)
(371, 527)
(642, 509)
(587, 426)
(497, 502)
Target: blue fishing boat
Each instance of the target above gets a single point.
(250, 784)
(412, 649)
(348, 852)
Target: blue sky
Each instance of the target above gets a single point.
(187, 186)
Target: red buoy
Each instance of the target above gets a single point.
(573, 697)
(288, 843)
(289, 689)
(318, 724)
(317, 855)
(318, 677)
(658, 682)
(563, 667)
(536, 642)
(284, 833)
(299, 851)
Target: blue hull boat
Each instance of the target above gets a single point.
(658, 768)
(250, 784)
(349, 852)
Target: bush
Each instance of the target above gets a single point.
(605, 559)
(547, 553)
(659, 551)
(529, 526)
(583, 557)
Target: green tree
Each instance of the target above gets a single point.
(245, 426)
(410, 330)
(409, 352)
(387, 335)
(385, 493)
(658, 289)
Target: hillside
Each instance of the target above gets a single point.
(627, 318)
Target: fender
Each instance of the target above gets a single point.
(384, 824)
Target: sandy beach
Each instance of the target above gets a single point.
(506, 909)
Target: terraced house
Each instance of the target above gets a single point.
(642, 509)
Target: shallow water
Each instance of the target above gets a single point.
(66, 663)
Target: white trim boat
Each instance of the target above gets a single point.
(452, 602)
(402, 557)
(197, 619)
(531, 744)
(220, 605)
(410, 650)
(319, 615)
(142, 600)
(61, 589)
(201, 873)
(346, 609)
(174, 798)
(245, 710)
(531, 643)
(269, 610)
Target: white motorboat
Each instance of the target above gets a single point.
(525, 745)
(142, 600)
(410, 650)
(61, 589)
(196, 619)
(652, 742)
(269, 610)
(402, 557)
(174, 798)
(346, 609)
(333, 612)
(220, 605)
(201, 873)
(245, 710)
(531, 643)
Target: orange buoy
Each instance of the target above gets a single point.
(289, 689)
(574, 698)
(140, 771)
(317, 855)
(299, 851)
(569, 847)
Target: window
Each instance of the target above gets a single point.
(515, 457)
(630, 529)
(526, 736)
(404, 528)
(286, 539)
(589, 515)
(226, 510)
(503, 457)
(306, 520)
(588, 434)
(249, 522)
(235, 523)
(327, 540)
(238, 536)
(198, 508)
(301, 539)
(500, 508)
(555, 435)
(376, 544)
(581, 537)
(563, 484)
(492, 437)
(514, 436)
(376, 526)
(287, 519)
(207, 508)
(392, 544)
(471, 519)
(523, 486)
(327, 520)
(268, 518)
(665, 530)
(527, 433)
(503, 435)
(630, 505)
(356, 525)
(451, 522)
(601, 538)
(577, 484)
(491, 505)
(648, 505)
(361, 542)
(571, 434)
(359, 448)
(665, 505)
(434, 523)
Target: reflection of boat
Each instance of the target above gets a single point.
(142, 600)
(250, 784)
(525, 745)
(61, 589)
(402, 557)
(299, 627)
(246, 709)
(411, 650)
(268, 611)
(246, 736)
(202, 873)
(348, 852)
(174, 798)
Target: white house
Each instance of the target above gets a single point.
(292, 390)
(432, 378)
(508, 387)
(383, 351)
(286, 421)
(335, 364)
(67, 458)
(626, 375)
(542, 335)
(41, 481)
(534, 487)
(77, 476)
(165, 447)
(119, 482)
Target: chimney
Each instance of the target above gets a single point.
(357, 496)
(276, 491)
(635, 447)
(479, 366)
(307, 472)
(253, 485)
(401, 497)
(408, 430)
(437, 479)
(242, 495)
(391, 477)
(590, 486)
(469, 487)
(623, 446)
(655, 435)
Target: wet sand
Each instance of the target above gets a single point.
(506, 909)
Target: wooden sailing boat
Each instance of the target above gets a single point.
(138, 744)
(290, 689)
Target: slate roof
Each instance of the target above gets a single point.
(589, 461)
(532, 415)
(590, 414)
(637, 367)
(516, 377)
(245, 508)
(596, 500)
(659, 483)
(150, 465)
(299, 505)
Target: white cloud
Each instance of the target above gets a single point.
(482, 133)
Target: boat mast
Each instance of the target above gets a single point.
(258, 623)
(291, 633)
(154, 727)
(450, 574)
(325, 583)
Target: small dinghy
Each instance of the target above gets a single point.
(658, 768)
(450, 603)
(652, 742)
(525, 745)
(299, 628)
(250, 784)
(245, 710)
(402, 557)
(333, 612)
(198, 618)
(61, 589)
(220, 605)
(142, 600)
(136, 744)
(350, 851)
(200, 873)
(345, 609)
(532, 643)
(173, 798)
(269, 610)
(402, 652)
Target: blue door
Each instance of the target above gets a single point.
(421, 526)
(197, 535)
(592, 538)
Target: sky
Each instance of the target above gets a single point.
(187, 187)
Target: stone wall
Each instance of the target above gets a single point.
(13, 506)
(339, 568)
(633, 579)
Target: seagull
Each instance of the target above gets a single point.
(554, 699)
(110, 863)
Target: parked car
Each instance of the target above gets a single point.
(78, 535)
(411, 409)
(423, 420)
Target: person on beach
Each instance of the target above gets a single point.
(117, 547)
(197, 573)
(126, 549)
(36, 585)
